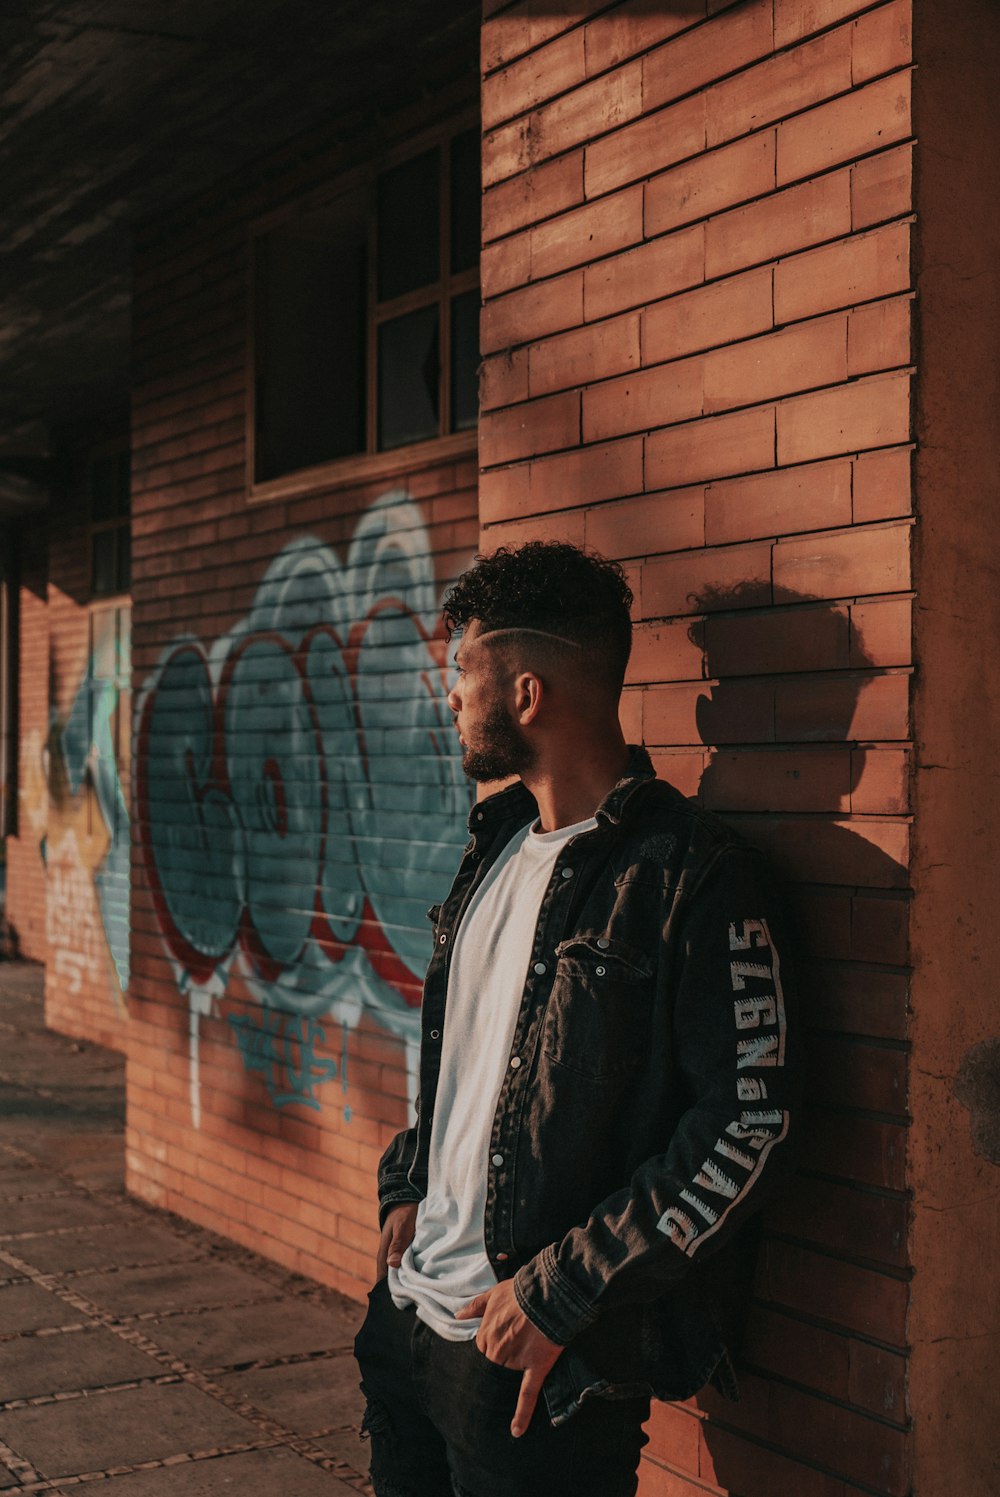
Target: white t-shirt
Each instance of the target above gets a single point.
(446, 1264)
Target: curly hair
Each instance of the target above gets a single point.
(553, 587)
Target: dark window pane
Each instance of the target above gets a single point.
(103, 579)
(408, 377)
(104, 488)
(124, 480)
(465, 201)
(310, 343)
(409, 240)
(124, 559)
(464, 361)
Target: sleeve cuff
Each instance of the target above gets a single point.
(551, 1302)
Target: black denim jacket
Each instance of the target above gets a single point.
(650, 1112)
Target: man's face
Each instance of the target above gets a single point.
(494, 746)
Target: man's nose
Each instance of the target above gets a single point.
(454, 700)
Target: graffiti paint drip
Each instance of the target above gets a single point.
(301, 797)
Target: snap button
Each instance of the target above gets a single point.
(600, 971)
(435, 1034)
(502, 1257)
(567, 873)
(603, 943)
(498, 1160)
(442, 939)
(479, 815)
(515, 1061)
(539, 968)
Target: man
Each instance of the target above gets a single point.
(606, 1080)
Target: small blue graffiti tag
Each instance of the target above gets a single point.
(282, 1049)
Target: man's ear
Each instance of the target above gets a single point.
(528, 694)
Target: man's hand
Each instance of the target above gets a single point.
(508, 1337)
(397, 1234)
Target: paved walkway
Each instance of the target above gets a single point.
(141, 1356)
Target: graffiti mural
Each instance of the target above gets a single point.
(83, 818)
(302, 802)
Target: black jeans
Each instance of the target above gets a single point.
(439, 1415)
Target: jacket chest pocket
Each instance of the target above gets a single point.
(597, 1021)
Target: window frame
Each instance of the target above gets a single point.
(111, 448)
(372, 464)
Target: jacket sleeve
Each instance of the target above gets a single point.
(728, 1045)
(394, 1187)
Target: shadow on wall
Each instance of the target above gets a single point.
(789, 691)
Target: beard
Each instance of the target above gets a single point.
(502, 750)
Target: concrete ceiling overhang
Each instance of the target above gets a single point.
(112, 110)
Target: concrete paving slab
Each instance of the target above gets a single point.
(63, 1364)
(308, 1397)
(259, 1473)
(118, 1429)
(6, 1479)
(104, 1247)
(226, 1338)
(182, 1286)
(345, 1445)
(18, 1180)
(51, 1212)
(27, 1307)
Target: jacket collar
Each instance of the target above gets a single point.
(517, 800)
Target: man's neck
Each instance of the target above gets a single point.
(570, 785)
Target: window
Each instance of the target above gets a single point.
(110, 530)
(366, 315)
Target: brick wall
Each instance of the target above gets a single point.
(696, 272)
(297, 802)
(87, 840)
(25, 852)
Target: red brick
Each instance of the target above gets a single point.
(710, 183)
(809, 638)
(853, 270)
(526, 25)
(844, 1219)
(549, 188)
(849, 1073)
(777, 1343)
(699, 57)
(883, 40)
(864, 707)
(880, 923)
(681, 768)
(636, 402)
(873, 854)
(524, 316)
(795, 19)
(882, 187)
(649, 523)
(588, 111)
(780, 86)
(761, 1472)
(777, 225)
(660, 1481)
(862, 121)
(881, 632)
(503, 379)
(631, 711)
(859, 1298)
(814, 497)
(672, 584)
(551, 70)
(796, 358)
(504, 265)
(877, 1381)
(664, 652)
(643, 275)
(590, 353)
(882, 782)
(587, 233)
(779, 780)
(633, 27)
(720, 313)
(857, 1000)
(653, 142)
(697, 712)
(878, 336)
(673, 1434)
(586, 475)
(565, 525)
(881, 484)
(862, 1149)
(713, 448)
(869, 413)
(838, 564)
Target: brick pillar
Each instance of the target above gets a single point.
(25, 898)
(696, 274)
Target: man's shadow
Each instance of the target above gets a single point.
(792, 701)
